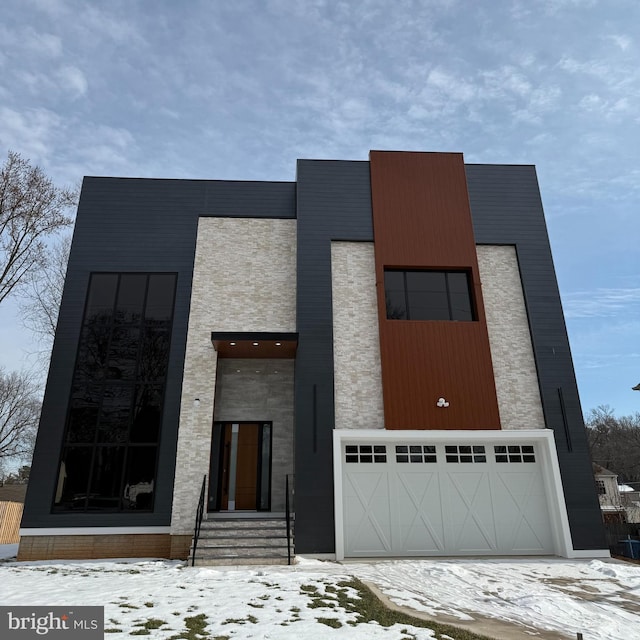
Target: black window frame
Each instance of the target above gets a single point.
(408, 296)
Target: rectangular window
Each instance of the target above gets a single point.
(113, 423)
(428, 295)
(514, 453)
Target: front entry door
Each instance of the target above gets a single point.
(240, 467)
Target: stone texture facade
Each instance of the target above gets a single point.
(356, 345)
(244, 279)
(514, 366)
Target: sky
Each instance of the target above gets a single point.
(522, 598)
(240, 90)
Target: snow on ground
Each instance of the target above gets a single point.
(600, 599)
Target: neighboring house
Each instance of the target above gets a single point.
(618, 502)
(630, 499)
(609, 495)
(390, 331)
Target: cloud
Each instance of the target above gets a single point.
(621, 41)
(601, 302)
(74, 80)
(31, 132)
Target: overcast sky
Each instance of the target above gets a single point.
(240, 89)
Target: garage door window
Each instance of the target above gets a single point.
(465, 453)
(365, 453)
(416, 453)
(514, 453)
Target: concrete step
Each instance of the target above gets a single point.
(215, 543)
(213, 562)
(242, 534)
(242, 541)
(249, 523)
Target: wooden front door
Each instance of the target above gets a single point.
(240, 467)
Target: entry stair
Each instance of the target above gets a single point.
(243, 541)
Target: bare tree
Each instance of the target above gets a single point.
(42, 293)
(32, 209)
(19, 414)
(615, 442)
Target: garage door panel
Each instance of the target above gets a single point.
(522, 521)
(368, 513)
(470, 512)
(436, 499)
(421, 527)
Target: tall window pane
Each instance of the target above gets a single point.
(116, 399)
(427, 293)
(394, 291)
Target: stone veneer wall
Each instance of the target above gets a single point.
(356, 341)
(261, 391)
(244, 279)
(514, 367)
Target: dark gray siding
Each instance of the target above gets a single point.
(506, 209)
(334, 203)
(134, 225)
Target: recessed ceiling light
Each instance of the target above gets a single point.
(233, 344)
(257, 370)
(255, 344)
(237, 370)
(278, 344)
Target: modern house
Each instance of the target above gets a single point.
(387, 334)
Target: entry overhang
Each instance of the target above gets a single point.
(254, 344)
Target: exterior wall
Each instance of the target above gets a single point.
(134, 224)
(244, 279)
(356, 349)
(61, 547)
(261, 391)
(514, 366)
(333, 203)
(507, 209)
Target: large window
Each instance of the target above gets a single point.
(428, 295)
(113, 426)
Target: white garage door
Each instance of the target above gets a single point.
(410, 499)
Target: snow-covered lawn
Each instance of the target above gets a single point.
(309, 600)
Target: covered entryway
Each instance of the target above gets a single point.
(423, 496)
(240, 475)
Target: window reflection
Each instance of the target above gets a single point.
(115, 409)
(428, 295)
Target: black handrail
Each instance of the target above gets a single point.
(288, 517)
(199, 514)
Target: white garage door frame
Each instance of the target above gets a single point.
(546, 455)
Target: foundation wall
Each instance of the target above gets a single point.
(156, 545)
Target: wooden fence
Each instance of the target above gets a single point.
(10, 516)
(617, 531)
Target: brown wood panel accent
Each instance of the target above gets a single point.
(247, 349)
(225, 475)
(154, 545)
(247, 467)
(422, 219)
